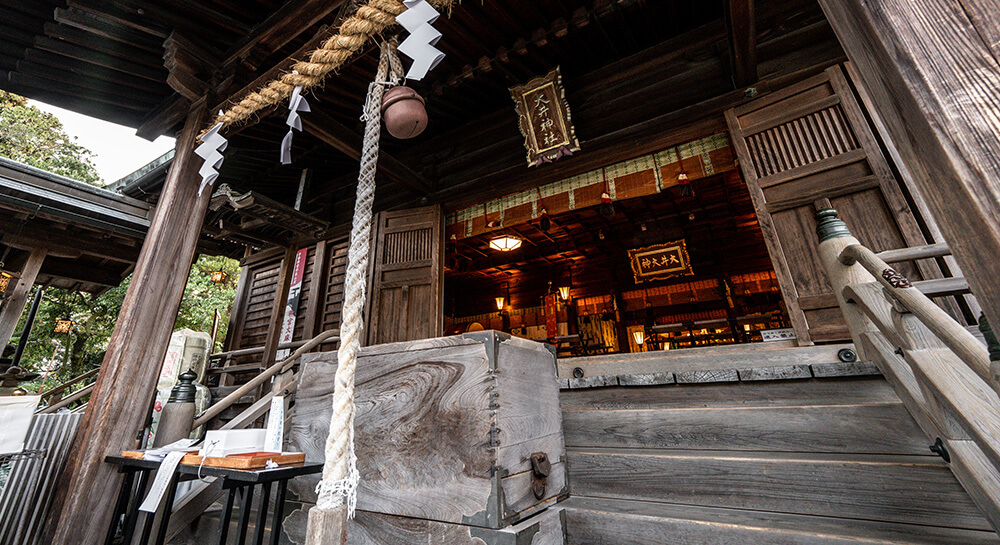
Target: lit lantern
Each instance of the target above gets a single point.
(499, 301)
(4, 281)
(505, 243)
(684, 183)
(564, 293)
(639, 336)
(219, 276)
(64, 326)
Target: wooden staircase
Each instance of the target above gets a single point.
(817, 461)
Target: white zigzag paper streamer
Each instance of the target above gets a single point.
(419, 45)
(296, 104)
(213, 144)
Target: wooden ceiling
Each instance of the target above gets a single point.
(641, 76)
(588, 250)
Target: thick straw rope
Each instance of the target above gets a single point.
(370, 20)
(340, 474)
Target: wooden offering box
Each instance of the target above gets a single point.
(446, 429)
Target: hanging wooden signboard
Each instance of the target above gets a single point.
(544, 118)
(660, 261)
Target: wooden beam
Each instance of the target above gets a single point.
(81, 510)
(935, 82)
(742, 33)
(278, 306)
(283, 26)
(330, 131)
(13, 306)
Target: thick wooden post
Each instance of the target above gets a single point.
(12, 308)
(935, 81)
(118, 406)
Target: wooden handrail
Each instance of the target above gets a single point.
(915, 252)
(254, 350)
(69, 383)
(82, 392)
(951, 333)
(281, 367)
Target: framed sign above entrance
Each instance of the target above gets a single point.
(544, 118)
(660, 261)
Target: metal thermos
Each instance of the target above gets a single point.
(178, 412)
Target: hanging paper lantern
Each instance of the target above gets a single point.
(607, 209)
(219, 276)
(544, 223)
(505, 243)
(4, 282)
(63, 326)
(684, 184)
(404, 112)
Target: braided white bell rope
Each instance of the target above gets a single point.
(339, 485)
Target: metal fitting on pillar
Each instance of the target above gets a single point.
(178, 413)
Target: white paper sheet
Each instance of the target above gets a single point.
(296, 104)
(275, 425)
(419, 45)
(161, 481)
(16, 414)
(213, 144)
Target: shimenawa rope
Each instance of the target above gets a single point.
(370, 20)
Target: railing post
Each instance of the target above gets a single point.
(834, 236)
(992, 345)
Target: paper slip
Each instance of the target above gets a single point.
(162, 480)
(275, 425)
(159, 453)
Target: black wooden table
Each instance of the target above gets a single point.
(236, 481)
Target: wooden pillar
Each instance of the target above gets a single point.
(13, 306)
(278, 310)
(85, 498)
(932, 71)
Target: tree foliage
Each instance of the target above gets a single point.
(95, 319)
(33, 137)
(36, 138)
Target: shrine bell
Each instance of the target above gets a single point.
(404, 112)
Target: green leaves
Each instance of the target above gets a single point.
(33, 137)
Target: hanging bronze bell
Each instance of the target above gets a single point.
(403, 112)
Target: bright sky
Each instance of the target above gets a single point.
(119, 152)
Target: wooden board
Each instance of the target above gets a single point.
(866, 429)
(600, 521)
(251, 460)
(367, 528)
(806, 144)
(900, 489)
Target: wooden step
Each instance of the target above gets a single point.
(855, 390)
(898, 489)
(867, 429)
(943, 287)
(600, 521)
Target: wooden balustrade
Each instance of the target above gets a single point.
(58, 390)
(937, 367)
(75, 396)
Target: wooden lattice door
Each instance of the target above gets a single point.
(406, 276)
(809, 146)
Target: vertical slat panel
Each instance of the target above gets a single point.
(25, 499)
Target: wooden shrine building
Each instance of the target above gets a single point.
(636, 184)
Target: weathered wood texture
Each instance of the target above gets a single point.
(932, 73)
(445, 427)
(809, 142)
(813, 461)
(406, 278)
(13, 306)
(367, 528)
(118, 405)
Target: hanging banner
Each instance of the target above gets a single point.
(292, 307)
(551, 315)
(660, 261)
